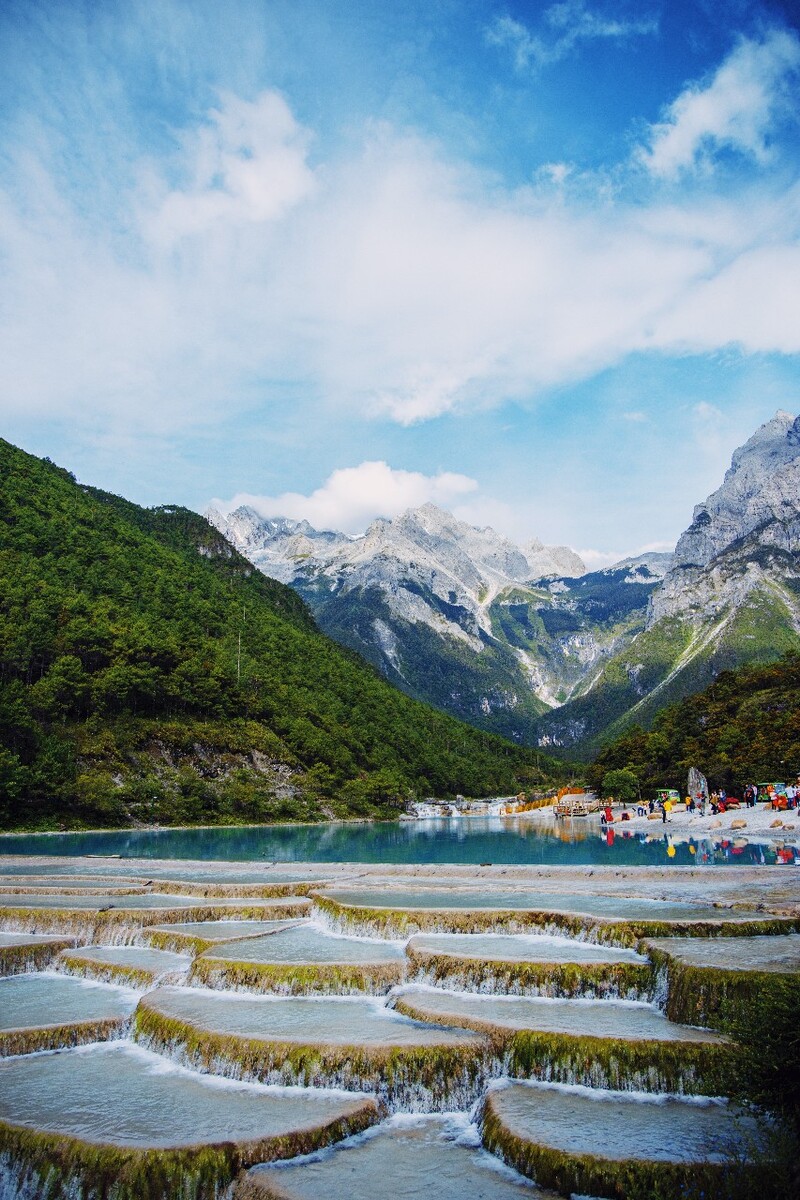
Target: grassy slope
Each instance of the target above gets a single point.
(490, 689)
(668, 663)
(119, 696)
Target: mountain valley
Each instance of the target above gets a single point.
(524, 641)
(494, 633)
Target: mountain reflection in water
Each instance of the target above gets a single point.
(502, 840)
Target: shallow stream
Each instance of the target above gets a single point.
(308, 943)
(614, 1125)
(306, 1019)
(624, 1019)
(35, 1000)
(121, 1093)
(520, 948)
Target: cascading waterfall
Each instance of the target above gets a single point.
(404, 1077)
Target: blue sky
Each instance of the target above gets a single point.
(537, 262)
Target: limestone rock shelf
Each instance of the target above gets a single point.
(347, 1042)
(136, 966)
(527, 964)
(117, 1120)
(30, 951)
(715, 983)
(405, 1158)
(595, 1142)
(303, 959)
(624, 1019)
(117, 918)
(734, 954)
(599, 1043)
(46, 886)
(47, 1011)
(43, 880)
(616, 919)
(200, 871)
(519, 988)
(197, 936)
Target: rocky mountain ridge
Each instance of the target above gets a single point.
(731, 596)
(456, 615)
(427, 538)
(756, 508)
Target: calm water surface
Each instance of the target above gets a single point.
(458, 840)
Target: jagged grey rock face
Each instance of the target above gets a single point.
(276, 545)
(725, 554)
(760, 496)
(730, 597)
(463, 566)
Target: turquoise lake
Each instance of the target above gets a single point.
(457, 841)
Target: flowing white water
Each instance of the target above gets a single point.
(353, 1043)
(413, 1155)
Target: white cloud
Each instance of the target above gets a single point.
(164, 316)
(353, 496)
(565, 26)
(444, 299)
(598, 560)
(737, 109)
(753, 301)
(392, 283)
(246, 163)
(447, 299)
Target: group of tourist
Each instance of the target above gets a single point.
(778, 795)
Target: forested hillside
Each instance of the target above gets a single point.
(744, 728)
(149, 673)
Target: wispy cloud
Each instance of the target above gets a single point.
(737, 109)
(565, 26)
(598, 560)
(389, 281)
(354, 496)
(245, 163)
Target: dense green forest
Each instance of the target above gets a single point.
(148, 673)
(744, 728)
